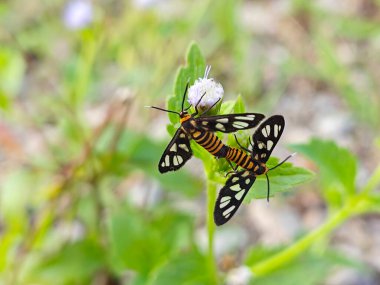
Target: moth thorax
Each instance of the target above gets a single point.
(262, 169)
(184, 118)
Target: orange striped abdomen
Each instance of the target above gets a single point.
(210, 142)
(241, 158)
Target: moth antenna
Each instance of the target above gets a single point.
(184, 95)
(169, 111)
(289, 156)
(268, 192)
(266, 174)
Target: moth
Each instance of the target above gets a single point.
(238, 184)
(201, 129)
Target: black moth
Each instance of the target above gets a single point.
(202, 129)
(238, 184)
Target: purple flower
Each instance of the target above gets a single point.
(78, 14)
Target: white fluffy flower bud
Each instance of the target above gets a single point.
(211, 91)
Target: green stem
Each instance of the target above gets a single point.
(276, 261)
(211, 198)
(301, 245)
(372, 182)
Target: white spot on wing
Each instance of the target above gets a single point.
(179, 158)
(269, 144)
(219, 126)
(182, 135)
(264, 131)
(225, 198)
(275, 131)
(204, 123)
(228, 211)
(167, 160)
(245, 118)
(268, 129)
(223, 120)
(174, 147)
(235, 187)
(239, 195)
(247, 181)
(240, 125)
(224, 203)
(184, 147)
(235, 179)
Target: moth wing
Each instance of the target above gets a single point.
(266, 137)
(229, 123)
(232, 195)
(176, 153)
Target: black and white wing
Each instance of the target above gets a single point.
(232, 195)
(229, 123)
(176, 153)
(266, 137)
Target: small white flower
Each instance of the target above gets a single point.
(211, 91)
(78, 14)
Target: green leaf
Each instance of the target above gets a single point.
(227, 107)
(281, 179)
(195, 68)
(137, 151)
(75, 263)
(144, 242)
(188, 268)
(337, 166)
(12, 69)
(239, 106)
(14, 199)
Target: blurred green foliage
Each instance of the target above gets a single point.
(69, 171)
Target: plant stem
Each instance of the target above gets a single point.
(372, 182)
(211, 197)
(276, 261)
(301, 245)
(283, 257)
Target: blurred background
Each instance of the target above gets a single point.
(81, 199)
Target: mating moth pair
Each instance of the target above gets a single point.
(202, 128)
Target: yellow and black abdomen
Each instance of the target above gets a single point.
(210, 142)
(241, 158)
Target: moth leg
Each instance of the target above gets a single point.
(196, 105)
(246, 149)
(232, 171)
(213, 105)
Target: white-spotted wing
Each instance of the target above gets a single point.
(176, 153)
(232, 195)
(266, 137)
(229, 123)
